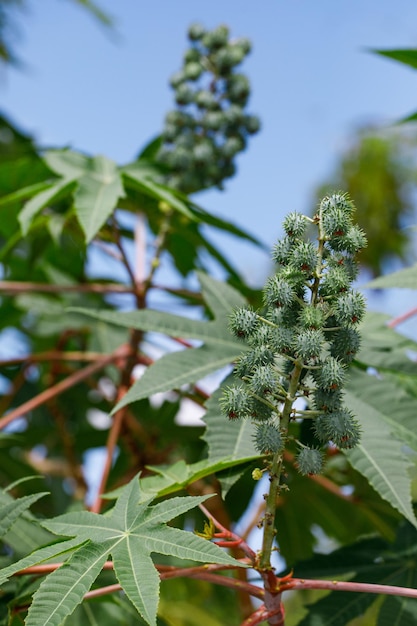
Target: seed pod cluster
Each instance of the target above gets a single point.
(209, 125)
(303, 340)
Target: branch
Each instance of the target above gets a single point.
(12, 287)
(402, 318)
(121, 352)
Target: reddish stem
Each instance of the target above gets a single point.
(402, 318)
(226, 533)
(75, 378)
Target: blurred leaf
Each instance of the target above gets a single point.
(97, 194)
(381, 458)
(405, 279)
(406, 56)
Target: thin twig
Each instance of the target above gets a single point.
(402, 318)
(12, 287)
(75, 378)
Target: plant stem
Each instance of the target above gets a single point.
(275, 475)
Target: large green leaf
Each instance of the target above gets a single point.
(11, 511)
(381, 457)
(405, 279)
(383, 348)
(41, 200)
(136, 178)
(395, 405)
(190, 365)
(406, 56)
(178, 476)
(97, 194)
(66, 163)
(130, 534)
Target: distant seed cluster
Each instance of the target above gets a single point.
(302, 342)
(209, 127)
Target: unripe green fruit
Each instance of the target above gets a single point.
(170, 132)
(311, 317)
(237, 87)
(309, 461)
(177, 79)
(281, 251)
(327, 400)
(304, 257)
(252, 123)
(181, 159)
(309, 344)
(335, 281)
(234, 114)
(206, 100)
(295, 225)
(193, 70)
(231, 146)
(354, 240)
(282, 339)
(192, 55)
(244, 44)
(278, 292)
(212, 120)
(235, 402)
(345, 344)
(216, 38)
(331, 376)
(340, 427)
(349, 308)
(243, 322)
(184, 94)
(203, 152)
(247, 362)
(196, 31)
(268, 439)
(263, 380)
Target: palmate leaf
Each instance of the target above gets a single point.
(11, 511)
(97, 194)
(381, 458)
(403, 279)
(190, 365)
(407, 56)
(129, 534)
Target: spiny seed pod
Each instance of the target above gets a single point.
(309, 344)
(282, 339)
(354, 240)
(340, 427)
(235, 402)
(260, 411)
(268, 439)
(311, 317)
(295, 225)
(334, 282)
(345, 344)
(243, 322)
(281, 251)
(278, 292)
(331, 375)
(309, 461)
(263, 380)
(304, 257)
(247, 362)
(350, 308)
(327, 400)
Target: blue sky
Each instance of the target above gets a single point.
(313, 83)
